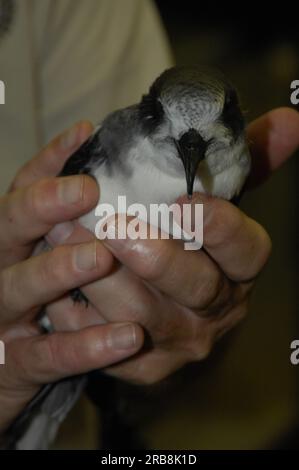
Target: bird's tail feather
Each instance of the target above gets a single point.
(36, 427)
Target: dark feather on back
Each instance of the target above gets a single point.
(232, 116)
(84, 158)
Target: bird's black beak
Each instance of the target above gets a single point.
(191, 148)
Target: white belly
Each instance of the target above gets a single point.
(148, 185)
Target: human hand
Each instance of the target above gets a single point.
(33, 205)
(186, 300)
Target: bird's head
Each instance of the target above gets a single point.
(193, 114)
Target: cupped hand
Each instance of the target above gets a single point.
(36, 202)
(184, 300)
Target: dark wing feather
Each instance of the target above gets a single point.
(37, 425)
(110, 142)
(86, 156)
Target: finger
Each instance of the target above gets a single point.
(238, 244)
(69, 232)
(46, 358)
(50, 160)
(273, 138)
(153, 366)
(67, 315)
(64, 313)
(118, 296)
(29, 213)
(38, 280)
(231, 319)
(189, 277)
(121, 295)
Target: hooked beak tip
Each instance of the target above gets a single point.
(191, 150)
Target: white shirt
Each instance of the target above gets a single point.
(67, 60)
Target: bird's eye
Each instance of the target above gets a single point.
(231, 114)
(151, 112)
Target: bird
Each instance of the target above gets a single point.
(186, 135)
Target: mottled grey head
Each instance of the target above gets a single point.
(197, 112)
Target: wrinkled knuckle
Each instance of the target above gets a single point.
(35, 366)
(50, 354)
(208, 290)
(16, 357)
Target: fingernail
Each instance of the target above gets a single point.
(122, 336)
(69, 138)
(60, 232)
(70, 189)
(86, 256)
